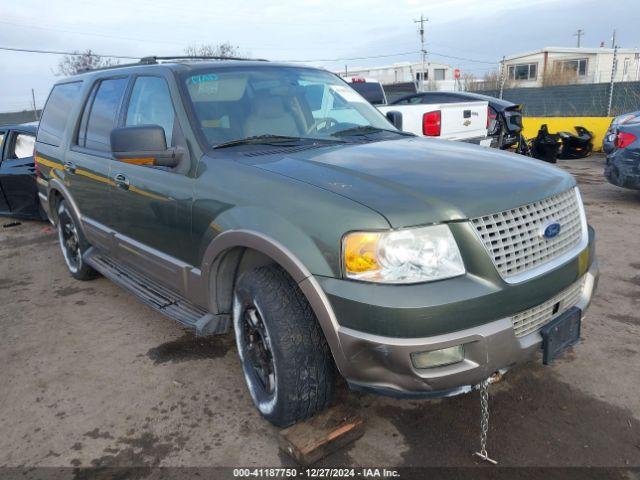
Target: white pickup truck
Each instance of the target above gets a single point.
(464, 121)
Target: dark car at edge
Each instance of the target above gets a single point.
(623, 163)
(18, 192)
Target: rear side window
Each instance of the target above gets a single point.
(373, 92)
(409, 101)
(151, 104)
(103, 113)
(61, 102)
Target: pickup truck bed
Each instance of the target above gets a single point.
(464, 121)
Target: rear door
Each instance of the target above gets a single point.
(17, 174)
(4, 205)
(89, 160)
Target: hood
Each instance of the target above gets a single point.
(417, 181)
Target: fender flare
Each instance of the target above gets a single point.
(290, 263)
(58, 186)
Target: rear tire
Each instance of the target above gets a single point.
(285, 358)
(73, 244)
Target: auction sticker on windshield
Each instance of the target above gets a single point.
(347, 94)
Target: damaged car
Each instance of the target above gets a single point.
(18, 192)
(623, 164)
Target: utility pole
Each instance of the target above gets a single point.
(579, 34)
(35, 110)
(502, 76)
(613, 39)
(422, 48)
(614, 67)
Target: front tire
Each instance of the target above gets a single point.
(285, 358)
(73, 244)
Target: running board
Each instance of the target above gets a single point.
(158, 297)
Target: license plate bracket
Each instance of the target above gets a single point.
(560, 333)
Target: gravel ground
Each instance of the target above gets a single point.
(92, 377)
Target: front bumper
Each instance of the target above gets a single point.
(383, 364)
(380, 361)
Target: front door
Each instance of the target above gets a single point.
(152, 205)
(17, 175)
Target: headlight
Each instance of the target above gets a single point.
(402, 256)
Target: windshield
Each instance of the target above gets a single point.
(248, 102)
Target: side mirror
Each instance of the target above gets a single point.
(143, 145)
(395, 118)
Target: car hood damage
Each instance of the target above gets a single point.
(417, 181)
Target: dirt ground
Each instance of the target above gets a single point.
(89, 376)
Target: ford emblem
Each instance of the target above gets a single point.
(551, 230)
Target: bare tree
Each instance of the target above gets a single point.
(558, 76)
(81, 62)
(490, 81)
(468, 81)
(224, 49)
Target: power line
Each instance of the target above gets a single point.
(352, 58)
(56, 52)
(398, 54)
(431, 52)
(93, 34)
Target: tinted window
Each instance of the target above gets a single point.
(373, 92)
(82, 131)
(60, 104)
(104, 110)
(150, 104)
(22, 146)
(442, 99)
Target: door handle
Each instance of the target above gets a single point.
(121, 181)
(69, 167)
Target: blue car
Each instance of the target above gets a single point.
(608, 144)
(623, 162)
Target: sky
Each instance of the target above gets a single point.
(324, 33)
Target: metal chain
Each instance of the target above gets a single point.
(484, 421)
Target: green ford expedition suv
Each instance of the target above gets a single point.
(274, 201)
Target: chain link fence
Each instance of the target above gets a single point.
(25, 116)
(586, 100)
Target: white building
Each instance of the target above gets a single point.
(437, 75)
(587, 65)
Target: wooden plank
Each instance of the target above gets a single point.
(315, 438)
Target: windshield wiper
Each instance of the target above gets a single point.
(258, 140)
(367, 129)
(273, 140)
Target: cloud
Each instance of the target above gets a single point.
(308, 29)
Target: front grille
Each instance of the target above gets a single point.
(534, 318)
(514, 237)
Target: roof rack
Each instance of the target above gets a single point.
(153, 60)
